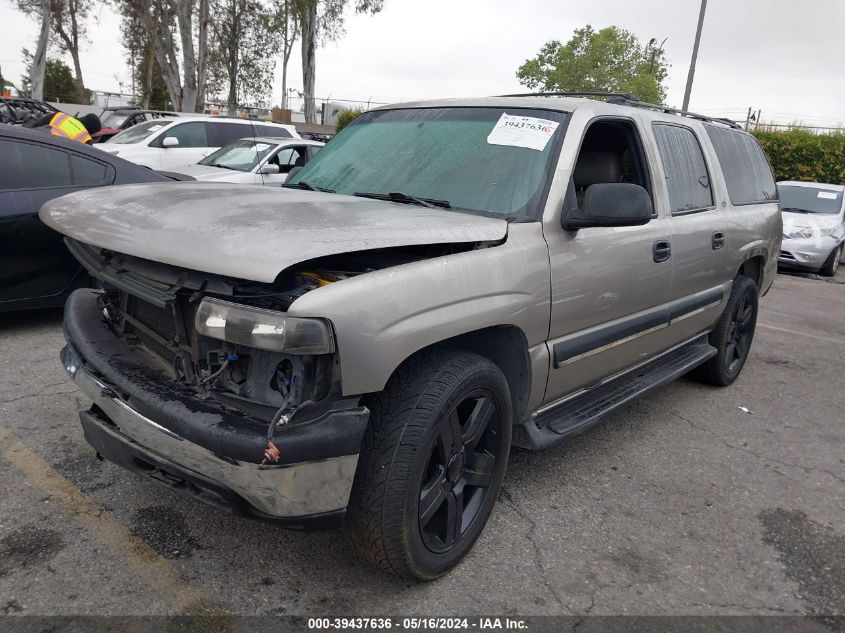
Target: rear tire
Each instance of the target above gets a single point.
(432, 463)
(831, 265)
(732, 335)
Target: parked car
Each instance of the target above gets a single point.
(116, 119)
(813, 226)
(260, 161)
(36, 270)
(165, 144)
(443, 280)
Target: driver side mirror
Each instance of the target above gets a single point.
(611, 204)
(269, 168)
(170, 141)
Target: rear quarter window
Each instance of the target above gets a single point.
(272, 131)
(744, 165)
(220, 133)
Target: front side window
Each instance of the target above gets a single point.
(747, 173)
(138, 133)
(191, 134)
(32, 166)
(687, 179)
(241, 155)
(288, 158)
(798, 199)
(492, 161)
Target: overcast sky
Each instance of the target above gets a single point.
(784, 57)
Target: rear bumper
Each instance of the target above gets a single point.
(206, 449)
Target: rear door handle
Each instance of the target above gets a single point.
(718, 241)
(661, 250)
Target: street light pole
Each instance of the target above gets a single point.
(691, 74)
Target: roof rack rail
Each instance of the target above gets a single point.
(667, 110)
(620, 95)
(621, 98)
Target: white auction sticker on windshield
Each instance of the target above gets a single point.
(522, 131)
(260, 147)
(829, 195)
(155, 128)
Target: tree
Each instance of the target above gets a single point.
(247, 39)
(59, 84)
(160, 19)
(346, 117)
(609, 60)
(69, 17)
(322, 20)
(42, 11)
(287, 25)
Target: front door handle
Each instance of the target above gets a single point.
(718, 241)
(661, 250)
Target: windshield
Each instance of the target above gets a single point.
(809, 199)
(114, 119)
(241, 155)
(493, 161)
(138, 133)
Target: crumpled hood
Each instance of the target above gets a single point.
(248, 231)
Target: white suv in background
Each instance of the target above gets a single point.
(165, 144)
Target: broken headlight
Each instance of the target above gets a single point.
(263, 329)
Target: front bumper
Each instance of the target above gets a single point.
(204, 449)
(806, 254)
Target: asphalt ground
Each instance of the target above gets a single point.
(695, 500)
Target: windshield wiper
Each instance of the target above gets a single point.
(308, 187)
(795, 210)
(398, 196)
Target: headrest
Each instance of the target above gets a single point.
(597, 167)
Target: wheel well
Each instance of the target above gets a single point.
(507, 347)
(753, 269)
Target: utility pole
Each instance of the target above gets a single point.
(691, 74)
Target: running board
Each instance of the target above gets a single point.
(550, 427)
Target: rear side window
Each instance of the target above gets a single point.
(220, 134)
(686, 172)
(269, 130)
(745, 168)
(88, 173)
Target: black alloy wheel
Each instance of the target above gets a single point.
(462, 461)
(432, 463)
(732, 335)
(741, 333)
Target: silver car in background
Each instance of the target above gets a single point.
(813, 226)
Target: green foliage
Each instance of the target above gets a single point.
(802, 155)
(609, 60)
(59, 84)
(346, 117)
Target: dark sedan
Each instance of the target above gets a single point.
(36, 270)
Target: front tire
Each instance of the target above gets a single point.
(432, 463)
(832, 264)
(732, 335)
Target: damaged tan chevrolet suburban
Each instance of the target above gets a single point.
(443, 281)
